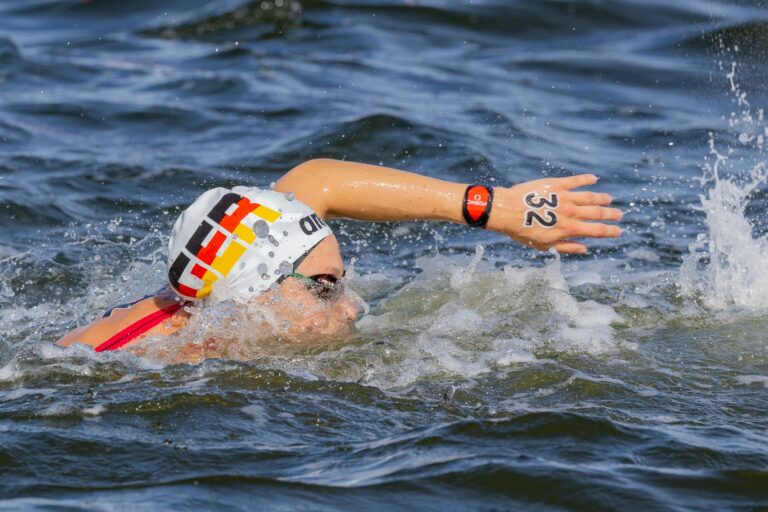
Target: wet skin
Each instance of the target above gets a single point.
(299, 315)
(310, 317)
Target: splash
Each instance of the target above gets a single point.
(464, 317)
(726, 266)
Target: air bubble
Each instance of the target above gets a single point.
(250, 289)
(290, 196)
(271, 254)
(261, 228)
(285, 268)
(273, 240)
(265, 277)
(262, 268)
(285, 233)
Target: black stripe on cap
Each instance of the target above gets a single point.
(177, 269)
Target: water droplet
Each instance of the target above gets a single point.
(273, 240)
(290, 196)
(261, 228)
(285, 268)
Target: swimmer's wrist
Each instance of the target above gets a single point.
(476, 205)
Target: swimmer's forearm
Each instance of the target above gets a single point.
(368, 192)
(544, 214)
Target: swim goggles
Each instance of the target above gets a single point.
(327, 287)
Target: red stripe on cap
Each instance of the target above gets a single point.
(208, 253)
(199, 271)
(186, 290)
(138, 328)
(244, 207)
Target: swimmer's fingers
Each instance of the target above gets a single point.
(578, 229)
(589, 198)
(571, 182)
(596, 213)
(570, 247)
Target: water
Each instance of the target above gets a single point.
(484, 376)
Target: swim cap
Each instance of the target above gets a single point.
(237, 243)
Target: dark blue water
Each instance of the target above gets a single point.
(484, 376)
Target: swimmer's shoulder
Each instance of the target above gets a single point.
(120, 319)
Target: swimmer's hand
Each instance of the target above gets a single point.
(549, 213)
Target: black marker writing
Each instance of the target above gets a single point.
(531, 215)
(531, 200)
(536, 203)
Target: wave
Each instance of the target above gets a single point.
(12, 134)
(532, 19)
(271, 18)
(9, 52)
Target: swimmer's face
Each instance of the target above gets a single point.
(302, 313)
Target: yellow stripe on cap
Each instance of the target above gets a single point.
(268, 214)
(226, 261)
(208, 279)
(245, 233)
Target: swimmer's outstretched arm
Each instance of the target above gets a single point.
(546, 213)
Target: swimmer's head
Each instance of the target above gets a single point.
(236, 244)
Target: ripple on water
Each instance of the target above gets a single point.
(502, 381)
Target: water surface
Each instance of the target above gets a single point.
(484, 376)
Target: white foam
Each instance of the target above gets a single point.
(464, 317)
(753, 379)
(15, 394)
(94, 411)
(257, 413)
(57, 409)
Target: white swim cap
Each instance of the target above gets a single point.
(237, 243)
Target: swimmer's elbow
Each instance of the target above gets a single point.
(316, 168)
(310, 181)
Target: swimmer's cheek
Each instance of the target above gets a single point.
(177, 321)
(194, 353)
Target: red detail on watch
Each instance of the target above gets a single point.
(476, 207)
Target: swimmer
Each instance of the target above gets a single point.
(273, 248)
